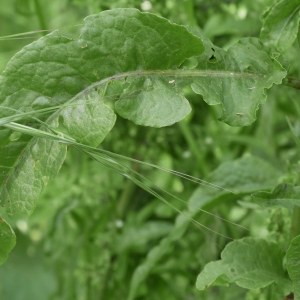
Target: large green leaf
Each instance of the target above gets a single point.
(7, 240)
(285, 195)
(52, 70)
(237, 79)
(281, 24)
(251, 263)
(293, 265)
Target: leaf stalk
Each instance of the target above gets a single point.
(292, 82)
(40, 15)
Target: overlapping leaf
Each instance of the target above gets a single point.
(285, 195)
(237, 79)
(52, 70)
(158, 106)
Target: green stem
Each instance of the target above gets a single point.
(189, 8)
(40, 15)
(295, 226)
(125, 197)
(92, 7)
(190, 139)
(292, 82)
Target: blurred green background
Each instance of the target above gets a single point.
(92, 229)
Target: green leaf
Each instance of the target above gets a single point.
(138, 237)
(155, 255)
(157, 107)
(88, 122)
(293, 265)
(7, 240)
(237, 79)
(285, 195)
(250, 262)
(242, 176)
(281, 24)
(54, 69)
(39, 162)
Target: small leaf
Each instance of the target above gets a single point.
(7, 240)
(285, 195)
(158, 107)
(88, 122)
(250, 262)
(281, 24)
(293, 265)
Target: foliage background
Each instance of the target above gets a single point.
(92, 229)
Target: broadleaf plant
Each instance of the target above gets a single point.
(62, 92)
(250, 263)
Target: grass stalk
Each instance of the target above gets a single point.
(190, 139)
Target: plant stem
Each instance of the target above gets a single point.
(189, 8)
(295, 226)
(40, 15)
(125, 197)
(292, 82)
(127, 193)
(188, 135)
